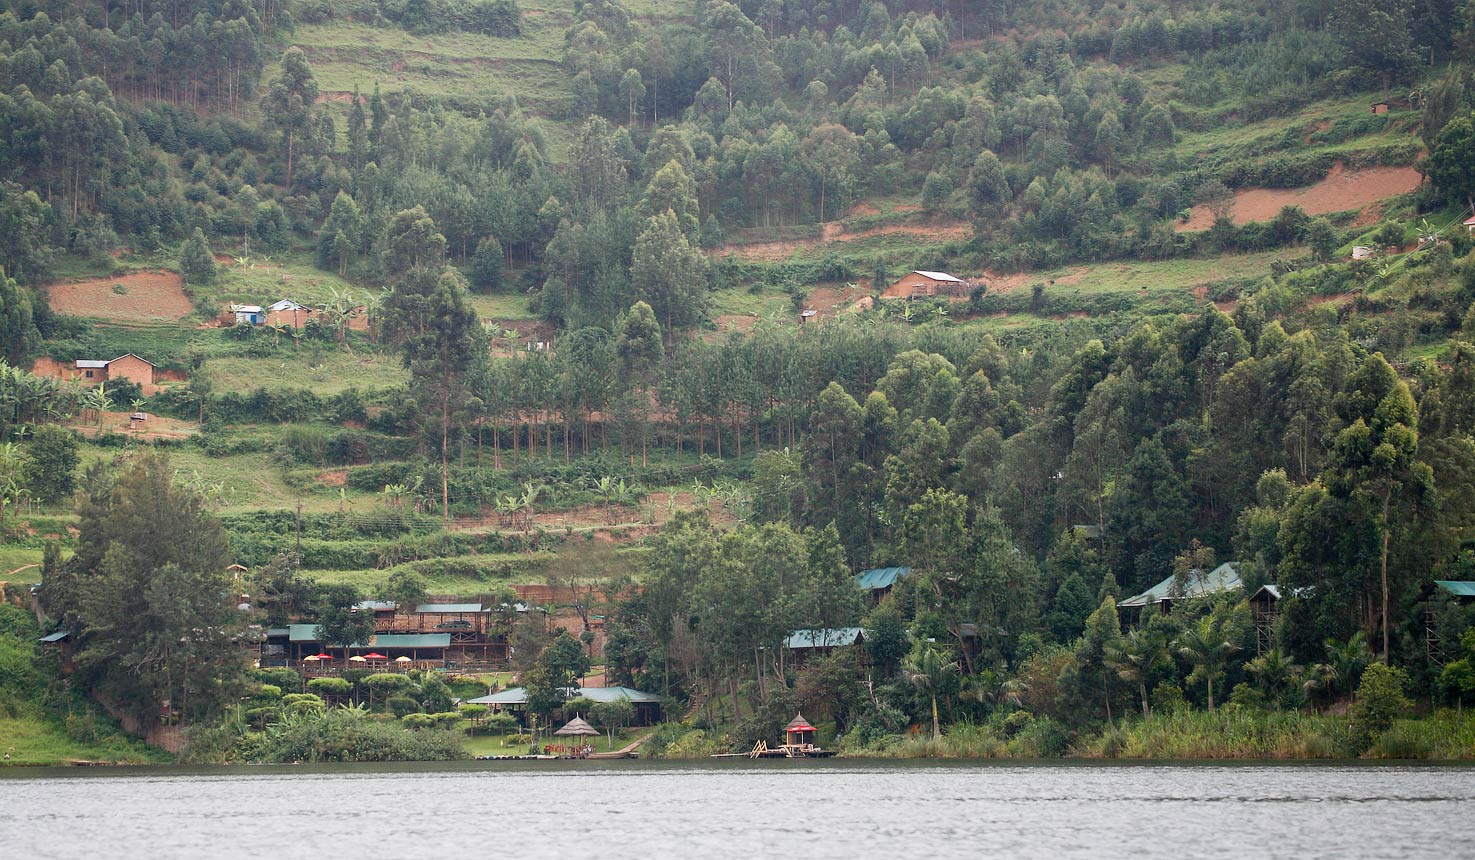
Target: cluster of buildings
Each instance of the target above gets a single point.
(285, 312)
(439, 635)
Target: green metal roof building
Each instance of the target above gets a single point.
(1458, 589)
(880, 577)
(1223, 578)
(835, 637)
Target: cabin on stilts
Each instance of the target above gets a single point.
(1439, 598)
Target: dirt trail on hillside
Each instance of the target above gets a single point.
(151, 296)
(1340, 191)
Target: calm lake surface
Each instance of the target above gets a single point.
(834, 809)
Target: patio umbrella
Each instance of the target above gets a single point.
(403, 660)
(375, 656)
(357, 659)
(312, 659)
(322, 656)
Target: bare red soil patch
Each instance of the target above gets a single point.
(145, 297)
(1001, 283)
(1340, 191)
(735, 322)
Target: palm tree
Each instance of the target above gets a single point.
(1133, 656)
(928, 671)
(1343, 667)
(1207, 648)
(1274, 672)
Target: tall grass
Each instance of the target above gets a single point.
(1228, 733)
(1446, 735)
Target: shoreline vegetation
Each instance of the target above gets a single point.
(1021, 380)
(1226, 734)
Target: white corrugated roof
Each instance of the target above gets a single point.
(288, 305)
(938, 276)
(89, 363)
(247, 309)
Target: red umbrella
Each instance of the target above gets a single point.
(375, 656)
(323, 656)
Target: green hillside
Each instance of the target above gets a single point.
(593, 294)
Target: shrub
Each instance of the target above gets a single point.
(417, 721)
(330, 688)
(260, 718)
(280, 677)
(1379, 702)
(350, 734)
(402, 706)
(302, 703)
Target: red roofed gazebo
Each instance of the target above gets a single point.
(799, 732)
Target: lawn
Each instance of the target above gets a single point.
(743, 301)
(30, 740)
(497, 744)
(1308, 118)
(502, 306)
(1160, 276)
(14, 558)
(246, 481)
(263, 279)
(466, 576)
(324, 371)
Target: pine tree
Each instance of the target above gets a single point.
(196, 261)
(668, 273)
(486, 266)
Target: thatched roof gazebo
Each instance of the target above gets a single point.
(577, 726)
(799, 732)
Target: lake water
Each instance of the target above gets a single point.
(800, 810)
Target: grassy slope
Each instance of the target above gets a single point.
(32, 740)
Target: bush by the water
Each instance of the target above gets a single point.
(348, 734)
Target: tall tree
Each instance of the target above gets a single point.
(147, 581)
(290, 103)
(668, 272)
(1376, 456)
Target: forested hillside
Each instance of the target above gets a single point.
(477, 294)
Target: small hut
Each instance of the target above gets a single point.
(578, 728)
(799, 733)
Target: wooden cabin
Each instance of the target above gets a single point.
(1265, 613)
(1438, 596)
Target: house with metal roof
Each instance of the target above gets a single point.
(880, 577)
(803, 645)
(920, 284)
(1462, 591)
(1223, 578)
(515, 699)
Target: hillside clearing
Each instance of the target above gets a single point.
(147, 296)
(1341, 191)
